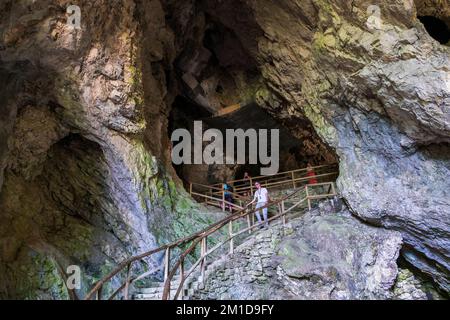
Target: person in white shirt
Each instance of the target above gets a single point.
(262, 199)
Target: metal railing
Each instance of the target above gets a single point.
(217, 202)
(215, 196)
(243, 189)
(226, 225)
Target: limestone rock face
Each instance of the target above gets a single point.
(84, 178)
(364, 267)
(322, 256)
(376, 87)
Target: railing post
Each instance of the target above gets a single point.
(223, 200)
(204, 249)
(182, 270)
(181, 279)
(251, 186)
(230, 232)
(166, 264)
(307, 196)
(253, 218)
(249, 223)
(190, 189)
(293, 179)
(99, 293)
(127, 283)
(333, 189)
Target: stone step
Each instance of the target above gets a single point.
(161, 284)
(175, 280)
(154, 290)
(189, 283)
(156, 296)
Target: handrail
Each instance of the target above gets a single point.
(296, 180)
(221, 193)
(208, 230)
(280, 173)
(224, 202)
(131, 260)
(123, 264)
(244, 187)
(247, 189)
(217, 227)
(283, 212)
(218, 190)
(194, 240)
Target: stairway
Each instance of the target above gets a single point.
(155, 290)
(194, 255)
(194, 282)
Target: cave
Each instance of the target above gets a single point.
(70, 205)
(293, 153)
(437, 29)
(88, 178)
(219, 84)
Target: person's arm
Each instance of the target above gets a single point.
(253, 201)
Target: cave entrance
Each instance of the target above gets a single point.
(437, 29)
(289, 152)
(183, 113)
(219, 83)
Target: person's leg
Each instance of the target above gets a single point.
(257, 212)
(266, 216)
(228, 200)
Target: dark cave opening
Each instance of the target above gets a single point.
(436, 28)
(182, 116)
(294, 153)
(218, 82)
(76, 166)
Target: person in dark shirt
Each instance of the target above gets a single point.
(228, 196)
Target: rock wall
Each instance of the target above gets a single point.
(377, 90)
(84, 150)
